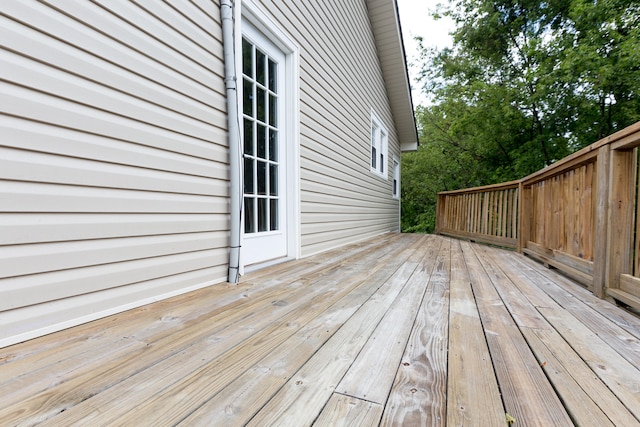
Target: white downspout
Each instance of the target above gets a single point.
(228, 42)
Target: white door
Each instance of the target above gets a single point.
(264, 155)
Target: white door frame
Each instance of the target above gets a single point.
(249, 12)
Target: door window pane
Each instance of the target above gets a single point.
(248, 137)
(261, 103)
(274, 214)
(262, 141)
(248, 176)
(261, 65)
(273, 145)
(247, 58)
(273, 180)
(262, 178)
(262, 215)
(273, 76)
(247, 97)
(273, 110)
(249, 215)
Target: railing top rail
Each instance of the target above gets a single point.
(624, 139)
(493, 187)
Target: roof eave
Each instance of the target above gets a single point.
(385, 22)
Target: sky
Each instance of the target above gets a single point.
(415, 21)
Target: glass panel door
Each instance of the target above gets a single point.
(264, 157)
(261, 140)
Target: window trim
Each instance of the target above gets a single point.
(379, 147)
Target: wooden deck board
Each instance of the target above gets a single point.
(258, 333)
(418, 395)
(301, 399)
(576, 383)
(471, 399)
(396, 330)
(348, 411)
(527, 394)
(387, 343)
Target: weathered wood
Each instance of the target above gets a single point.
(387, 343)
(582, 206)
(620, 216)
(174, 377)
(525, 214)
(212, 330)
(542, 292)
(273, 350)
(570, 162)
(484, 238)
(440, 213)
(520, 377)
(484, 188)
(630, 284)
(575, 298)
(626, 138)
(588, 400)
(621, 377)
(562, 258)
(520, 303)
(575, 274)
(472, 399)
(589, 203)
(300, 400)
(237, 401)
(418, 396)
(602, 204)
(348, 411)
(531, 281)
(481, 215)
(626, 297)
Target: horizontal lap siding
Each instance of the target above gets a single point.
(113, 158)
(341, 80)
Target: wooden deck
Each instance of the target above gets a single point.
(409, 330)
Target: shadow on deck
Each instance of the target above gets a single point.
(404, 329)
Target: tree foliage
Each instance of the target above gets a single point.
(525, 84)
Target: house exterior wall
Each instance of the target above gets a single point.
(114, 180)
(113, 158)
(341, 83)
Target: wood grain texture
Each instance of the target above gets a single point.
(418, 395)
(302, 398)
(473, 397)
(589, 401)
(348, 411)
(519, 376)
(232, 351)
(387, 343)
(274, 349)
(616, 372)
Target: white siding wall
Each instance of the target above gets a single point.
(113, 158)
(341, 81)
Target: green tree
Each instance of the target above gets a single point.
(525, 84)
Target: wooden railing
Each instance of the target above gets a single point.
(580, 215)
(484, 214)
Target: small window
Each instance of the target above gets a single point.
(379, 146)
(396, 179)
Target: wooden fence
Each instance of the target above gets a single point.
(580, 215)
